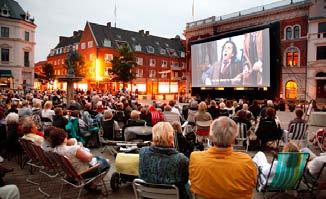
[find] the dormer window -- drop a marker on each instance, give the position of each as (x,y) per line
(157,43)
(122,44)
(133,38)
(138,47)
(107,43)
(27,16)
(150,49)
(162,51)
(5,11)
(119,36)
(166,44)
(172,52)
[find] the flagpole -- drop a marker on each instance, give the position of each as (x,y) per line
(193,10)
(115,13)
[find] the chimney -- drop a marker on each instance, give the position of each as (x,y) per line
(75,33)
(177,37)
(108,24)
(141,32)
(147,33)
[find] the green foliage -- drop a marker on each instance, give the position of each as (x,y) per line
(48,72)
(77,61)
(122,66)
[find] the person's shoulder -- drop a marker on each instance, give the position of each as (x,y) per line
(197,154)
(242,157)
(144,150)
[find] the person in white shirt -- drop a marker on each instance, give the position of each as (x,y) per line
(47,111)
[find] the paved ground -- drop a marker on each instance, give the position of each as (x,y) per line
(53,186)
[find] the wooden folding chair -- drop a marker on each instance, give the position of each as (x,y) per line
(77,180)
(288,173)
(143,189)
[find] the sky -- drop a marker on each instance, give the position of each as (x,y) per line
(164,18)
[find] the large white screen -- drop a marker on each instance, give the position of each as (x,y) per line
(238,61)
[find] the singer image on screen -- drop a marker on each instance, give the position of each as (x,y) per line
(253,59)
(228,68)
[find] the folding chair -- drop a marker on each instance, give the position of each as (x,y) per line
(77,180)
(143,189)
(242,136)
(298,133)
(314,182)
(288,173)
(33,161)
(48,168)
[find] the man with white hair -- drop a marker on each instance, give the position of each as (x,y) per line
(269,103)
(220,171)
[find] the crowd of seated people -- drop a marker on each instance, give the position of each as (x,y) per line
(68,129)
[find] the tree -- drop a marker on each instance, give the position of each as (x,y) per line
(48,72)
(122,66)
(77,62)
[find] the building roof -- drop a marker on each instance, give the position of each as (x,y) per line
(66,41)
(116,36)
(15,11)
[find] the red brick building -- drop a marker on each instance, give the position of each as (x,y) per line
(160,71)
(291,18)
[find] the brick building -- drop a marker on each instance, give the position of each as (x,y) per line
(160,71)
(292,19)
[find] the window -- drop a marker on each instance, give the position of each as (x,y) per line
(137,47)
(164,75)
(90,44)
(183,65)
(55,62)
(107,43)
(139,73)
(108,58)
(139,61)
(150,49)
(152,73)
(322,30)
(296,32)
(122,44)
(182,54)
(26,36)
(291,90)
(321,52)
(5,54)
(162,51)
(171,52)
(176,74)
(4,32)
(26,59)
(91,56)
(288,33)
(152,62)
(76,46)
(292,57)
(164,63)
(83,45)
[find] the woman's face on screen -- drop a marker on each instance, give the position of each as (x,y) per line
(227,51)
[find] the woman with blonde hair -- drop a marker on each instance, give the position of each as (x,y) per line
(47,111)
(161,163)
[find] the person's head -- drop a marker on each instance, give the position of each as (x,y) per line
(88,106)
(291,147)
(167,108)
(25,103)
(269,103)
(172,103)
(222,105)
(12,118)
(193,104)
(107,114)
(37,104)
(48,105)
(163,134)
(57,137)
(212,103)
(245,106)
(177,127)
(235,104)
(299,113)
(134,115)
(27,125)
(229,51)
(58,111)
(223,132)
(74,113)
(202,106)
(270,112)
(48,131)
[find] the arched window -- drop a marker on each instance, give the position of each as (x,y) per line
(292,57)
(288,33)
(291,90)
(296,32)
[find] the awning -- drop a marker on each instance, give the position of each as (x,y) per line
(5,73)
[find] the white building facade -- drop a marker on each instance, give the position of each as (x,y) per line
(17,42)
(316,59)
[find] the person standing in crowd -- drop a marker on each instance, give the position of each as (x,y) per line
(220,171)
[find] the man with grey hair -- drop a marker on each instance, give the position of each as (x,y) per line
(220,171)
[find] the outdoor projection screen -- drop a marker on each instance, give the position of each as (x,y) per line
(237,61)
